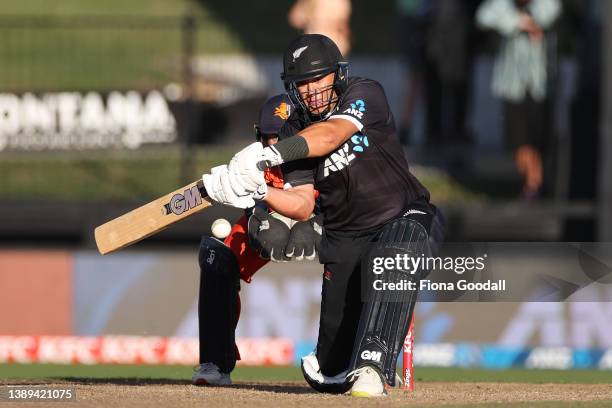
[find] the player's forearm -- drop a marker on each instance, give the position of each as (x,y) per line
(295,204)
(322,139)
(317,140)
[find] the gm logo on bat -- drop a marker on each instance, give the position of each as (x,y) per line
(191,198)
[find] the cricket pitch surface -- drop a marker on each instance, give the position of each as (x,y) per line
(100,392)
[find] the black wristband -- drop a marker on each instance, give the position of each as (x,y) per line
(292,148)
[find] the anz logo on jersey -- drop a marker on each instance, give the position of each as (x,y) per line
(342,157)
(357,109)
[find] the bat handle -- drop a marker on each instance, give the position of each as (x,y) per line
(201,188)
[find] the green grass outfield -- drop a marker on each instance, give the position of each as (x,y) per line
(154,372)
(136,44)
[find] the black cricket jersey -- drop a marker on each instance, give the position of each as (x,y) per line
(366,181)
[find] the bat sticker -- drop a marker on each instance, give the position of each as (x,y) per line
(191,198)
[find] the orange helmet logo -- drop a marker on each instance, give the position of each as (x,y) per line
(283,111)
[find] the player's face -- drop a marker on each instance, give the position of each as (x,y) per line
(317,93)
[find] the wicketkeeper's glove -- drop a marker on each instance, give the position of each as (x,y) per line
(305,238)
(268,235)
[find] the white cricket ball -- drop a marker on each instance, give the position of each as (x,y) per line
(221,228)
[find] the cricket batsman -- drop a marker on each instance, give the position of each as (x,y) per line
(341,140)
(256,238)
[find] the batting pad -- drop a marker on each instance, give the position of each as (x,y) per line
(219,286)
(386,313)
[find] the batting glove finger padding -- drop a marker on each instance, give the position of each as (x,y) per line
(236,185)
(244,170)
(219,188)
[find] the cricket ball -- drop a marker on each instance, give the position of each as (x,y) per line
(221,228)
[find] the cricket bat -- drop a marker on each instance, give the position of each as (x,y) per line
(152,218)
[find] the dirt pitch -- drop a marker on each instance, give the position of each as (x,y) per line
(177,394)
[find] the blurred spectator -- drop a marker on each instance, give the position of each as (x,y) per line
(450,47)
(437,44)
(327,17)
(521,78)
(413,25)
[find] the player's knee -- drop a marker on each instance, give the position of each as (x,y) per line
(432,220)
(411,234)
(402,239)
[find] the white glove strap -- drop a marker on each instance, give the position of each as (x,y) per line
(261,192)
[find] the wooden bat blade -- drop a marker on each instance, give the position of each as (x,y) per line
(151,218)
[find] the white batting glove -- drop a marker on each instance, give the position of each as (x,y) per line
(244,168)
(219,187)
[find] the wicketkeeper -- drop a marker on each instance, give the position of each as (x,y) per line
(256,238)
